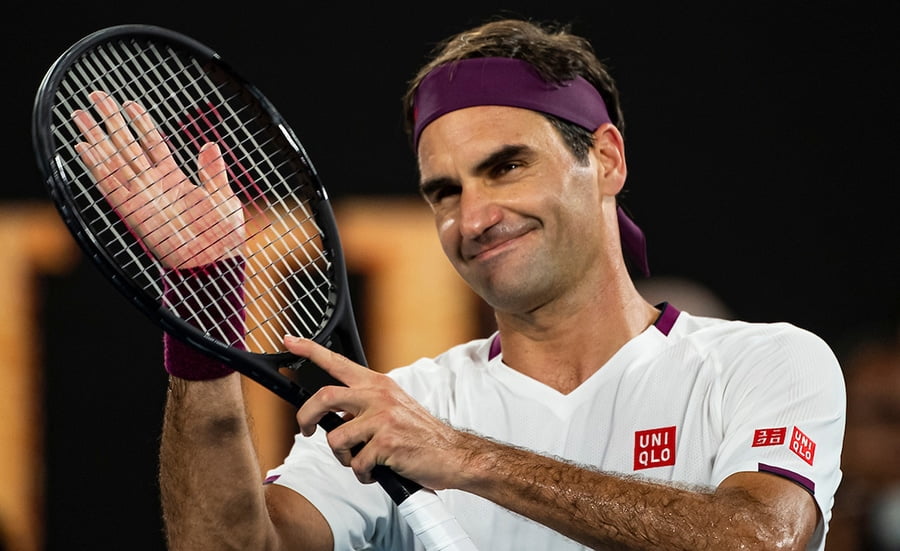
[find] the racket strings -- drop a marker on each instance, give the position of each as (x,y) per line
(285,283)
(129,78)
(210,298)
(106,65)
(297,275)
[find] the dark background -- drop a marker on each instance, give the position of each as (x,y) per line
(762,149)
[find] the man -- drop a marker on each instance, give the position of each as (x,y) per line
(590,419)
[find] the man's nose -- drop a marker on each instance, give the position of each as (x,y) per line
(478,210)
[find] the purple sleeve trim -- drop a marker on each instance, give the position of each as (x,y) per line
(790,475)
(271,479)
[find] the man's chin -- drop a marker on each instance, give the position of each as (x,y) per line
(514,297)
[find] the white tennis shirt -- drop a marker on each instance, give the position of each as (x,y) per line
(690,400)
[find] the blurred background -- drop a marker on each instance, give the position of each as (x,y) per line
(763,167)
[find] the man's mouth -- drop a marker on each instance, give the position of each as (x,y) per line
(493,243)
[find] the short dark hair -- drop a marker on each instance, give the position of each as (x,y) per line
(556,53)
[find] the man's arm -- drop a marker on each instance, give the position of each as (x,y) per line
(747,511)
(212,495)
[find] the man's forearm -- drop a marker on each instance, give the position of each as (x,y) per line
(212,496)
(609,511)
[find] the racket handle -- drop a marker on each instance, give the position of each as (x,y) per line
(434,524)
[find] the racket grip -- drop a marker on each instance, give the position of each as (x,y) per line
(399,488)
(434,524)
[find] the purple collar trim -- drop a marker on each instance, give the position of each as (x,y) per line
(504,81)
(663,324)
(495,348)
(666,319)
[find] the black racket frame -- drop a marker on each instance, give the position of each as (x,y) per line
(292,378)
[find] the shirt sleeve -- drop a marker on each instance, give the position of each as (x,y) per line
(785,412)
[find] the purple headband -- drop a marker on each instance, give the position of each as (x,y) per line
(516,83)
(504,81)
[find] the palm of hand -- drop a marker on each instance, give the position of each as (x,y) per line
(181,224)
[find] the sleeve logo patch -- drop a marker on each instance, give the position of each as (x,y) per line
(769,437)
(803,446)
(654,448)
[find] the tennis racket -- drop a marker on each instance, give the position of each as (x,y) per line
(192,195)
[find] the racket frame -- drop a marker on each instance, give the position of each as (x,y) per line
(422,509)
(339,333)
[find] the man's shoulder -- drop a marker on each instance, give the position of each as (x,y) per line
(731,341)
(476,352)
(717,330)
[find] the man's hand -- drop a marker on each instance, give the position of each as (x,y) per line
(394,429)
(182,224)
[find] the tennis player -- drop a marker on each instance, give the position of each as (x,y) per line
(590,419)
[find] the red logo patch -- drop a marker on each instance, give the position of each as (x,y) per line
(803,446)
(654,448)
(769,437)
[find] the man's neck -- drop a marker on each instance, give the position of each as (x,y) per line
(562,346)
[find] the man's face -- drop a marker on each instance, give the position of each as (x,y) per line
(517,215)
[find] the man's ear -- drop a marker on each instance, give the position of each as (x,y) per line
(609,153)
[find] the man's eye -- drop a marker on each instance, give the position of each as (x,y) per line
(438,194)
(506,168)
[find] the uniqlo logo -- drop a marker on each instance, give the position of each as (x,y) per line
(654,448)
(803,446)
(769,437)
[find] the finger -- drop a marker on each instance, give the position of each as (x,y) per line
(105,171)
(95,167)
(213,177)
(328,399)
(359,448)
(119,132)
(345,443)
(336,365)
(363,457)
(149,136)
(88,126)
(115,193)
(104,152)
(94,156)
(362,466)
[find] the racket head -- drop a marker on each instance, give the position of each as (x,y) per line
(293,270)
